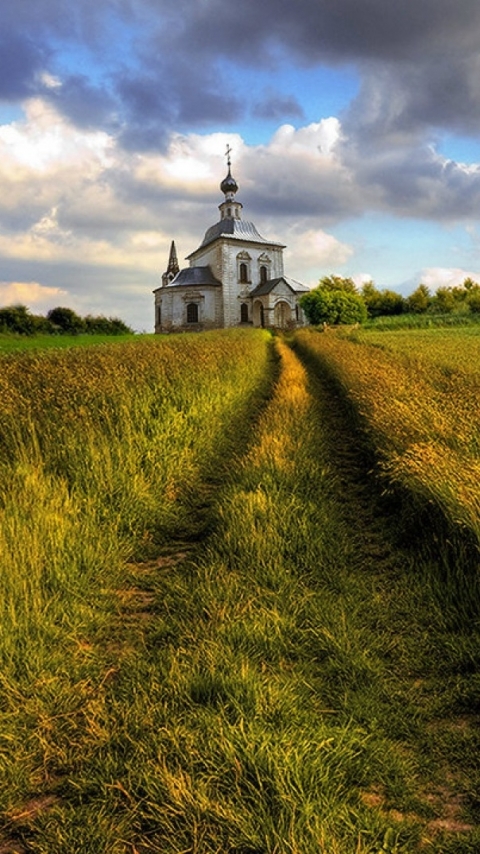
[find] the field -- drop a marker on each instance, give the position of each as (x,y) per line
(10,343)
(240,603)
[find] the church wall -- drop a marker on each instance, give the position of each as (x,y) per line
(222,258)
(173,304)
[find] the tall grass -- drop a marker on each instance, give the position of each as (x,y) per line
(103,450)
(420,413)
(268,691)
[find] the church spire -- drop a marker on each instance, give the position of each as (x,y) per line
(173,260)
(172,268)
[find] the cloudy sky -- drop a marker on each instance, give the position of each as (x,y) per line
(354,125)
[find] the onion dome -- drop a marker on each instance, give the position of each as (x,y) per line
(229,186)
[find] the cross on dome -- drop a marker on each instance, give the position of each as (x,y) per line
(229,186)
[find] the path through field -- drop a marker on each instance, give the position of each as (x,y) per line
(288,684)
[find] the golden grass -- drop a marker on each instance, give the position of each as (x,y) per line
(102,451)
(418,395)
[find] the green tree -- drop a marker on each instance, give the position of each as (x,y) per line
(66,320)
(473,299)
(333,307)
(17,318)
(338,283)
(444,300)
(419,301)
(105,325)
(381,303)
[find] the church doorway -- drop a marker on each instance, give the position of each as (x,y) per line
(258,314)
(282,315)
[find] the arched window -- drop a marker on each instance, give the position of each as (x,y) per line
(243,272)
(159,315)
(297,312)
(263,274)
(192,312)
(244,313)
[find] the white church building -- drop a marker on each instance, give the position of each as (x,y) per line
(235,278)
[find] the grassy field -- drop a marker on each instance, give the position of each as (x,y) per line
(213,637)
(10,343)
(417,396)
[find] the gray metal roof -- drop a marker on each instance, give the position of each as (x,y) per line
(194,277)
(236,228)
(268,286)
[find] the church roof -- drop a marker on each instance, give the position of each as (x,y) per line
(270,284)
(237,229)
(194,277)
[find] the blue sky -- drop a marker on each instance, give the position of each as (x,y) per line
(355,129)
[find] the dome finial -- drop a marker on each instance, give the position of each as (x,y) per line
(229,186)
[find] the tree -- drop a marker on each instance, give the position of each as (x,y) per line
(420,300)
(383,302)
(473,299)
(66,320)
(338,283)
(444,300)
(17,318)
(322,305)
(105,325)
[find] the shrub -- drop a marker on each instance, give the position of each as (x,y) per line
(333,307)
(66,320)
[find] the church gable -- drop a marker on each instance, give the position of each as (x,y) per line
(278,287)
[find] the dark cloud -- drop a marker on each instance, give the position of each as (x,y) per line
(347,30)
(422,57)
(424,54)
(85,104)
(22,61)
(418,62)
(277,107)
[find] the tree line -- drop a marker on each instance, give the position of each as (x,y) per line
(338,300)
(58,321)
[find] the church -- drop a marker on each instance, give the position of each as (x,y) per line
(235,278)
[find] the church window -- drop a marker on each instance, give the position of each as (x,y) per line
(297,313)
(192,312)
(243,272)
(229,212)
(159,315)
(263,274)
(244,313)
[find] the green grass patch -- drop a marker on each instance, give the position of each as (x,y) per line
(11,343)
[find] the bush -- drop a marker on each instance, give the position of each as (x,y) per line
(106,325)
(16,318)
(333,306)
(66,320)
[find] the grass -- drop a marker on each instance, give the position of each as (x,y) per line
(416,398)
(12,343)
(273,673)
(462,319)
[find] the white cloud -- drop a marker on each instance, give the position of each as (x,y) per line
(307,141)
(444,277)
(45,142)
(28,293)
(312,254)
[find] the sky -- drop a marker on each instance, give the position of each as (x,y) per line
(354,127)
